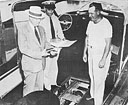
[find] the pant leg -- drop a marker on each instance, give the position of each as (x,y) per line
(90,64)
(100,75)
(54,69)
(39,82)
(46,74)
(51,71)
(29,82)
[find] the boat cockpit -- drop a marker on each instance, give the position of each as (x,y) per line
(73,17)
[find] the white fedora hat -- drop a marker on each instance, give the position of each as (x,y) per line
(35,12)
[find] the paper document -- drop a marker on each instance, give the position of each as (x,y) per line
(65,43)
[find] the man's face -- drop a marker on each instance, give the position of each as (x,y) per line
(93,14)
(35,21)
(49,12)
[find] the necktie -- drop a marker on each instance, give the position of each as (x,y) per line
(52,29)
(36,33)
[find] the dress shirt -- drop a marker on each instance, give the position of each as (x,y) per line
(57,27)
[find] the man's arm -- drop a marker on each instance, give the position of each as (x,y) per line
(85,50)
(47,45)
(106,52)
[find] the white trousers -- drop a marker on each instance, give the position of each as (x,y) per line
(97,75)
(45,78)
(33,82)
(51,71)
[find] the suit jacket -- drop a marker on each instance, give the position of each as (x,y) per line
(30,47)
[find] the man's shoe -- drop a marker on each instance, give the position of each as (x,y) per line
(58,86)
(53,87)
(89,98)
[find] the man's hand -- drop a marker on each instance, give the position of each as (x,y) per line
(85,58)
(102,63)
(49,46)
(54,51)
(45,53)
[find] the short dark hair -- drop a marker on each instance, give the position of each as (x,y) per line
(97,6)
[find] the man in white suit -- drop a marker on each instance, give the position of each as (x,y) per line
(33,46)
(51,21)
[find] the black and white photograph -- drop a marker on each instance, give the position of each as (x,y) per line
(63,52)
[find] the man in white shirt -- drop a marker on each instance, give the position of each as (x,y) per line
(98,44)
(54,33)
